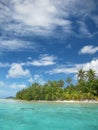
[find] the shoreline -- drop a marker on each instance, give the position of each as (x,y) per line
(78,101)
(69,101)
(57,101)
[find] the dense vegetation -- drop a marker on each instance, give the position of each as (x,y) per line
(86,88)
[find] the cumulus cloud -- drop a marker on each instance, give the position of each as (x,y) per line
(91,65)
(88,50)
(38,12)
(44,60)
(37,78)
(17,70)
(75,67)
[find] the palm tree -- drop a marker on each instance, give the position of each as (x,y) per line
(60,83)
(81,75)
(91,74)
(68,80)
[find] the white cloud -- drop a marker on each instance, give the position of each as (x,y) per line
(10,89)
(44,60)
(30,80)
(75,67)
(13,85)
(64,70)
(91,65)
(35,16)
(16,45)
(17,86)
(11,44)
(16,71)
(37,78)
(35,13)
(5,93)
(42,16)
(88,50)
(84,30)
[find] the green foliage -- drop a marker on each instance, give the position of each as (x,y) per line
(86,88)
(81,76)
(91,75)
(68,80)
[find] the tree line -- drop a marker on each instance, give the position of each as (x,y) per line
(86,88)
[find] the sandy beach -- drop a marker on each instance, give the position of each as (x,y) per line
(58,101)
(64,101)
(82,101)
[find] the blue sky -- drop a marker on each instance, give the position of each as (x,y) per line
(44,40)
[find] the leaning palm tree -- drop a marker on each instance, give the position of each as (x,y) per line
(91,74)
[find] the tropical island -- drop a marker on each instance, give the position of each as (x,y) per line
(85,89)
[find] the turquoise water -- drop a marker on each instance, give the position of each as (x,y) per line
(16,115)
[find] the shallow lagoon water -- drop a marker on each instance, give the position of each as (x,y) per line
(16,115)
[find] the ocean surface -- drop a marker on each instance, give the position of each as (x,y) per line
(15,115)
